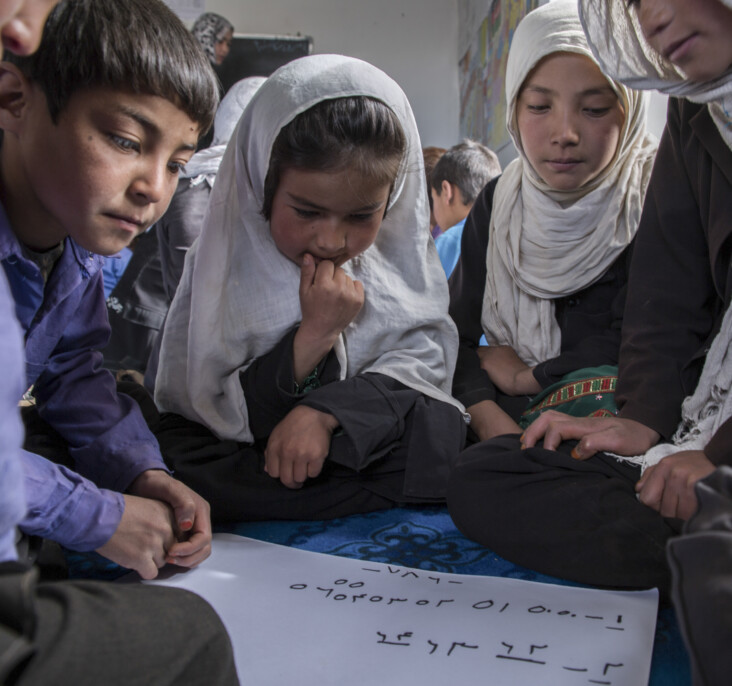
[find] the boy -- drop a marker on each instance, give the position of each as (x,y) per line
(455,182)
(93,142)
(81,632)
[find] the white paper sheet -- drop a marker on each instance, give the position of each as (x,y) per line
(310,619)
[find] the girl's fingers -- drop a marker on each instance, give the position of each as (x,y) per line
(307,272)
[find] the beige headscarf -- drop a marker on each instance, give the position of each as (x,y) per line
(239,295)
(543,243)
(617,40)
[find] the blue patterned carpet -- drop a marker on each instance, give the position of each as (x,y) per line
(423,538)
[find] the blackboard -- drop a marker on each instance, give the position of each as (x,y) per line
(260,56)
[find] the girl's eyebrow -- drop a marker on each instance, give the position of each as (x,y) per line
(304,201)
(599,90)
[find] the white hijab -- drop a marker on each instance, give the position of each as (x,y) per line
(204,165)
(239,295)
(616,38)
(543,243)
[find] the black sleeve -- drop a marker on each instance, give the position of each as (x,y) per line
(269,385)
(672,301)
(371,410)
(471,384)
(590,322)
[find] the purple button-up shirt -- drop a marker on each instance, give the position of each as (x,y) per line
(12,493)
(65,325)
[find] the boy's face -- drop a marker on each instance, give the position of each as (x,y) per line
(104,172)
(21,23)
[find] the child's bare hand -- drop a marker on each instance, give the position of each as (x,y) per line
(191,514)
(507,370)
(595,434)
(143,537)
(668,487)
(298,446)
(329,299)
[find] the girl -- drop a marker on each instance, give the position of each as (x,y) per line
(548,287)
(308,352)
(578,515)
(214,33)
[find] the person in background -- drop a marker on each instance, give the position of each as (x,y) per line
(214,34)
(455,182)
(431,155)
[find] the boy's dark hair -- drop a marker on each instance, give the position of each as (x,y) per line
(137,45)
(469,166)
(334,135)
(431,156)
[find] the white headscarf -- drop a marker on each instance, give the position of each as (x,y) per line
(704,411)
(239,295)
(209,29)
(204,165)
(616,38)
(543,243)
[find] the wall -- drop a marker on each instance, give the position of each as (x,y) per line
(414,41)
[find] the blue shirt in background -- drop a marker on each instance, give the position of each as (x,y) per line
(448,246)
(114,267)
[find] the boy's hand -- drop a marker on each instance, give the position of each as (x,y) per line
(668,487)
(507,370)
(488,420)
(595,434)
(143,537)
(298,446)
(329,300)
(191,514)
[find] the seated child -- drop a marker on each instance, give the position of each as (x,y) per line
(69,632)
(455,182)
(546,247)
(568,508)
(94,139)
(308,352)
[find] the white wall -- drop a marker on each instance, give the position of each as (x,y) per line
(414,41)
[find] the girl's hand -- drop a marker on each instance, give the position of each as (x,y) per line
(595,434)
(298,446)
(507,370)
(668,487)
(329,300)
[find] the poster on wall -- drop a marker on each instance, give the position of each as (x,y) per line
(187,10)
(482,72)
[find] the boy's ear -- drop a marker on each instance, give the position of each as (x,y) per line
(446,191)
(14,92)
